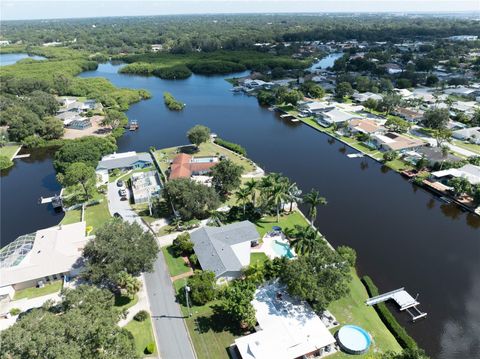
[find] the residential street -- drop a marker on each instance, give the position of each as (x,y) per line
(170,331)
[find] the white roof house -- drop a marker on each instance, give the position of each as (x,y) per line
(470,172)
(336,116)
(145,185)
(314,106)
(289,328)
(471,134)
(47,252)
(362,97)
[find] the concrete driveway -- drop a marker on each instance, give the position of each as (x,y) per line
(115,205)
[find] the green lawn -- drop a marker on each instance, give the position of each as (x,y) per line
(33,292)
(176,265)
(142,334)
(95,215)
(164,155)
(265,224)
(211,332)
(398,165)
(353,310)
(9,150)
(72,216)
(468,146)
(258,257)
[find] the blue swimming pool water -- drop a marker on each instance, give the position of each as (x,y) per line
(282,249)
(203,159)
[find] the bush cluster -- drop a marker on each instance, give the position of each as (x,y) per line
(141,316)
(398,331)
(231,146)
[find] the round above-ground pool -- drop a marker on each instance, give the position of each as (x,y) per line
(353,339)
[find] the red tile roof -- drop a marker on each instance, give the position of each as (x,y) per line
(182,166)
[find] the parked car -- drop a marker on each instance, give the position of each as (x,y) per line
(122,192)
(117,215)
(120,183)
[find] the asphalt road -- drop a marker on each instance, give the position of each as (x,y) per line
(170,330)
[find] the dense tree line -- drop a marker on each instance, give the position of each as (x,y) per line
(184,34)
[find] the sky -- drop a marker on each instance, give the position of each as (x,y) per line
(54,9)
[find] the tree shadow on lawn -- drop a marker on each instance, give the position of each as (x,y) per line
(218,322)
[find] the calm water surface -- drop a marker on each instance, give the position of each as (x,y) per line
(10,59)
(403,235)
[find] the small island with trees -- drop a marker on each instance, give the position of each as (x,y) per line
(172,103)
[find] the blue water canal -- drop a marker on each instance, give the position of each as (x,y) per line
(402,234)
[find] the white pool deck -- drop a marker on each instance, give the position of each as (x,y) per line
(268,243)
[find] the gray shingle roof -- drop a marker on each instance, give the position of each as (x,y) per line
(213,245)
(123,160)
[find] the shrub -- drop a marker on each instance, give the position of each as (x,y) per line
(389,156)
(141,316)
(150,348)
(231,146)
(5,162)
(15,311)
(398,331)
(193,260)
(202,287)
(182,244)
(172,103)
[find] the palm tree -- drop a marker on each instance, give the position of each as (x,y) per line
(306,240)
(255,272)
(278,195)
(314,200)
(252,186)
(242,195)
(294,194)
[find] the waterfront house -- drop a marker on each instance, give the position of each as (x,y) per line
(288,328)
(38,258)
(79,124)
(335,116)
(122,161)
(392,141)
(470,172)
(225,250)
(185,166)
(434,156)
(363,125)
(145,186)
(314,107)
(471,135)
(68,117)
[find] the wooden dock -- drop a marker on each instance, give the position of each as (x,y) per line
(22,156)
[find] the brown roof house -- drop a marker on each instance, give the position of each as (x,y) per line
(392,141)
(365,126)
(185,166)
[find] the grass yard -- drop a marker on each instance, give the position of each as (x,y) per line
(265,224)
(95,215)
(49,288)
(165,155)
(176,265)
(468,146)
(211,332)
(142,334)
(258,257)
(9,150)
(353,310)
(398,165)
(72,216)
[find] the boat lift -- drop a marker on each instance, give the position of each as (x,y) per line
(404,300)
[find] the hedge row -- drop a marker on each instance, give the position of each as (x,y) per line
(231,146)
(398,331)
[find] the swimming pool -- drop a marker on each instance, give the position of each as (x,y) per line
(353,339)
(282,249)
(204,159)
